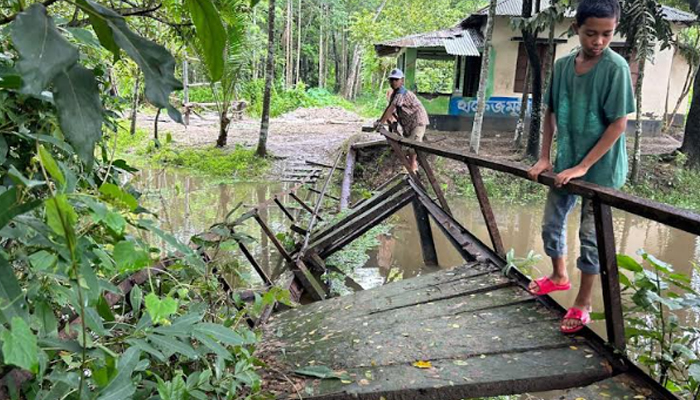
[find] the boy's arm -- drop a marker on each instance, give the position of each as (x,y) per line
(544,163)
(610,136)
(388,112)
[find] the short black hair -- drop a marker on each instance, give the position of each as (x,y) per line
(597,9)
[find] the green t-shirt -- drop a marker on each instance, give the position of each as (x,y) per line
(584,106)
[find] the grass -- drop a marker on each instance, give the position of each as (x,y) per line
(229,165)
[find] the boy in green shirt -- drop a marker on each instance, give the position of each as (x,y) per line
(588,102)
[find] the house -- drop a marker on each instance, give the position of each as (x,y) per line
(463,43)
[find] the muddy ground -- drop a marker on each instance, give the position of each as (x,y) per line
(316,134)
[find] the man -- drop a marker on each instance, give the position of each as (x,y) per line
(409,111)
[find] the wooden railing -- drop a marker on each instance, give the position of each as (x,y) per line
(604,199)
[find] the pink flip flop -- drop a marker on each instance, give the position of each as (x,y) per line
(581,315)
(546,285)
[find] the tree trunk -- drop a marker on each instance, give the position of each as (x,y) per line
(255,54)
(135,104)
(637,157)
(350,82)
(296,80)
(224,122)
(155,129)
(269,76)
(357,87)
(691,137)
(321,83)
(548,66)
(530,41)
(520,126)
(692,72)
(290,48)
(336,60)
(483,79)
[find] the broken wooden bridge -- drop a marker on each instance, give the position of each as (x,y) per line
(468,332)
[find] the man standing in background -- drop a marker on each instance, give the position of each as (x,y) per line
(409,110)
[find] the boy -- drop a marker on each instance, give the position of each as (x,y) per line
(588,102)
(409,110)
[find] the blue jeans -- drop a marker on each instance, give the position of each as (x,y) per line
(559,205)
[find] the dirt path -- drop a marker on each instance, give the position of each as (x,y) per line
(312,134)
(316,134)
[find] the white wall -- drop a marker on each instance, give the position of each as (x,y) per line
(665,71)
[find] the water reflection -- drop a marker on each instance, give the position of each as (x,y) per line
(189,204)
(520,230)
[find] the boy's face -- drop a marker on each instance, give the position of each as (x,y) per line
(396,83)
(595,35)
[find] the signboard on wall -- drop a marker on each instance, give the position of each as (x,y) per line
(495,106)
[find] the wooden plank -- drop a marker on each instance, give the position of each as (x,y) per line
(491,376)
(486,210)
(304,205)
(369,144)
(378,189)
(284,210)
(318,164)
(684,220)
(308,280)
(346,185)
(359,219)
(469,246)
(623,386)
(425,234)
(261,272)
(372,220)
(266,229)
(327,195)
(373,201)
(609,275)
(423,161)
(403,159)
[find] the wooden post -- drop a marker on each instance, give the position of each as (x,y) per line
(304,205)
(426,234)
(186,92)
(398,152)
(284,210)
(486,210)
(609,274)
(347,178)
(273,238)
(423,161)
(255,264)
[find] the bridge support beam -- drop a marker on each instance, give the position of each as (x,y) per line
(427,243)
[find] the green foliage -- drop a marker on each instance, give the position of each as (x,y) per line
(503,187)
(210,31)
(668,183)
(71,230)
(284,101)
(239,163)
(659,341)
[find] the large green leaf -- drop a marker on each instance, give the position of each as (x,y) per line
(220,333)
(79,110)
(173,390)
(157,64)
(170,346)
(210,33)
(50,165)
(121,387)
(10,207)
(129,258)
(12,302)
(160,309)
(43,51)
(19,346)
(61,216)
(118,196)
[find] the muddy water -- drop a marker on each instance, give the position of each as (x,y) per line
(187,205)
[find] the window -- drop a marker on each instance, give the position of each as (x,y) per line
(472,71)
(522,63)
